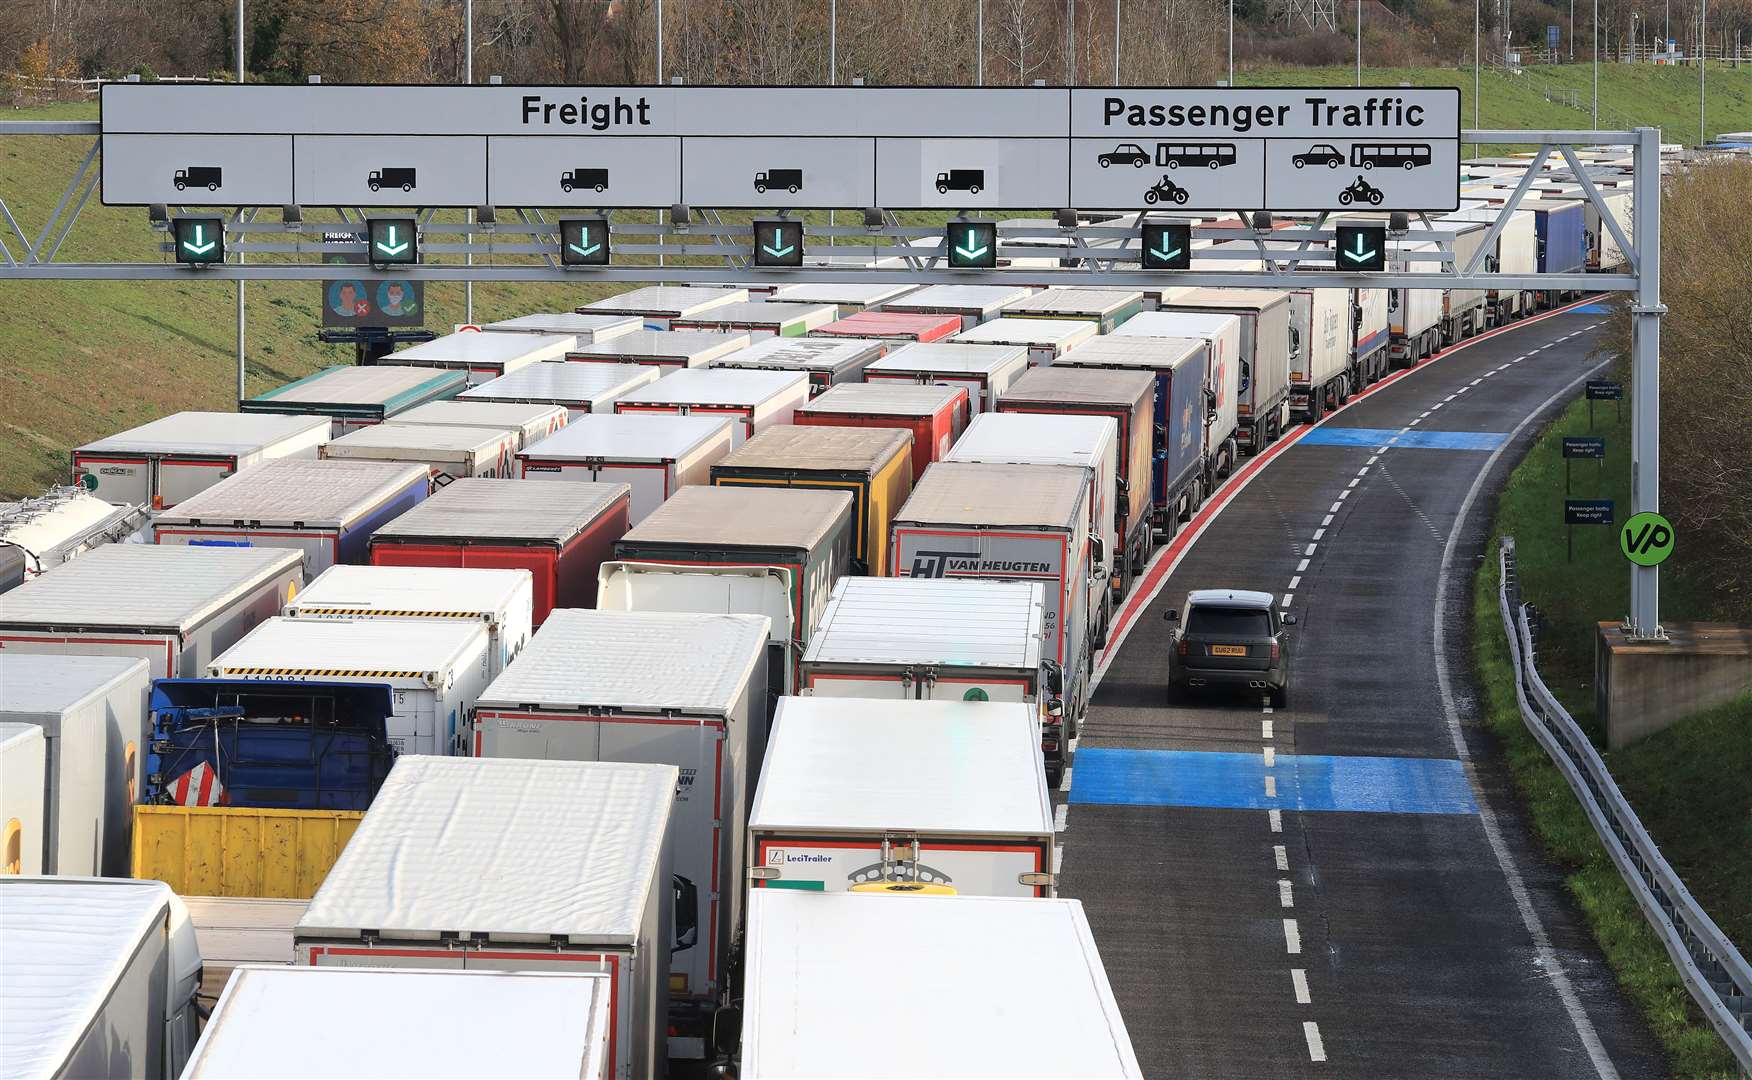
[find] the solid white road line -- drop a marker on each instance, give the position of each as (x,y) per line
(1292,938)
(1286,898)
(1316,1048)
(1280,856)
(1299,980)
(1276,817)
(1061,817)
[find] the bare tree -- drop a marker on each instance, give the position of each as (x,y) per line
(1021,38)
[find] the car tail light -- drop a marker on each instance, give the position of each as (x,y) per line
(1274,648)
(1180,646)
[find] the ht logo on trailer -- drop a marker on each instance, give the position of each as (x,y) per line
(936,564)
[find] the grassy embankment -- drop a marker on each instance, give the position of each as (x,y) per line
(1691,784)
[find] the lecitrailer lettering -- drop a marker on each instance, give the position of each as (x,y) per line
(1322,113)
(597,115)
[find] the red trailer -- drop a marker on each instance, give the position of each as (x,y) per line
(935,414)
(561,531)
(891,326)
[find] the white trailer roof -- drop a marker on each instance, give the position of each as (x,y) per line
(769,313)
(60,516)
(673,301)
(1085,385)
(1062,333)
(952,357)
(65,942)
(717,386)
(563,383)
(324,493)
(973,768)
(695,347)
(379,384)
(795,518)
(1174,324)
(1077,301)
(882,398)
(1235,299)
(793,448)
(466,349)
(803,354)
(35,685)
(144,586)
(515,415)
(465,592)
(1019,438)
(1122,350)
(814,292)
(531,1025)
(470,846)
(818,984)
(395,437)
(209,433)
(634,660)
(586,328)
(415,649)
(479,507)
(633,437)
(967,493)
(977,299)
(942,621)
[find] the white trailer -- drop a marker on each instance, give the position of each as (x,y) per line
(325,510)
(662,351)
(580,389)
(1370,339)
(483,357)
(161,463)
(530,422)
(449,453)
(355,397)
(1517,252)
(657,455)
(753,400)
(1463,309)
(1014,987)
(501,600)
(659,305)
(974,303)
(970,812)
(1414,316)
(93,716)
(827,361)
(532,1025)
(101,977)
(675,689)
(729,590)
(847,299)
(1320,349)
(1222,376)
(760,319)
(1045,339)
(24,802)
(1089,444)
(435,670)
(176,607)
(61,524)
(1263,381)
(553,866)
(588,329)
(984,371)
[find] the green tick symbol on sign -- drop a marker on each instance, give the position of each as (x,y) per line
(388,245)
(1647,539)
(584,238)
(969,251)
(772,248)
(199,246)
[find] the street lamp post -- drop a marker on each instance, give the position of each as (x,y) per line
(1359,39)
(1231,42)
(1116,42)
(468,78)
(1702,62)
(1477,20)
(1596,65)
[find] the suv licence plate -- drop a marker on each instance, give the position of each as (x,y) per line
(1228,650)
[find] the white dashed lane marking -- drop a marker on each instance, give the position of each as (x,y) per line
(1316,1048)
(1271,787)
(1280,857)
(1270,758)
(1292,938)
(1286,897)
(1276,817)
(1059,817)
(1299,980)
(1265,729)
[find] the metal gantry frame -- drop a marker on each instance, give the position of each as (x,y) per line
(1097,255)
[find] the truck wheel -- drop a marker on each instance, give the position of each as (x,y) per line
(1231,454)
(1055,772)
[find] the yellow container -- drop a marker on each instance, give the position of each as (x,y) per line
(235,851)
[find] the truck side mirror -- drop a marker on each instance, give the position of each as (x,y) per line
(1098,553)
(1055,676)
(686,897)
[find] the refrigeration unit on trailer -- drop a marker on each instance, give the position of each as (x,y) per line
(1516,252)
(656,455)
(1222,378)
(984,371)
(176,607)
(325,510)
(588,329)
(101,978)
(580,389)
(969,813)
(482,357)
(760,319)
(1414,316)
(356,397)
(1012,523)
(815,992)
(435,669)
(934,415)
(973,303)
(847,299)
(62,523)
(161,463)
(752,400)
(1263,381)
(1179,367)
(24,798)
(92,713)
(873,465)
(536,1025)
(895,326)
(531,423)
(659,305)
(670,688)
(538,866)
(448,453)
(1106,308)
(1320,350)
(661,351)
(827,361)
(1088,444)
(806,533)
(1129,399)
(560,533)
(1045,339)
(503,600)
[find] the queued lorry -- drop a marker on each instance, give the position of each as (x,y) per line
(1414,316)
(24,801)
(659,305)
(827,361)
(459,865)
(1369,341)
(663,351)
(1013,523)
(1263,379)
(580,389)
(760,319)
(984,371)
(501,599)
(751,400)
(847,298)
(1106,308)
(588,329)
(164,462)
(678,689)
(655,455)
(530,422)
(969,815)
(1045,339)
(973,304)
(448,453)
(1221,415)
(40,533)
(356,397)
(933,415)
(890,326)
(1320,351)
(1516,252)
(482,357)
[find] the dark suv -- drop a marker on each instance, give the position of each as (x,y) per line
(1232,638)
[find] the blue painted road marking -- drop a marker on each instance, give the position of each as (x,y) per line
(1413,439)
(1592,309)
(1382,785)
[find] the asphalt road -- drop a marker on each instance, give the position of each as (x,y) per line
(1345,887)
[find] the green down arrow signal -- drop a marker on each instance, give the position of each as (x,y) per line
(971,252)
(584,237)
(777,252)
(195,246)
(1164,254)
(1359,255)
(392,248)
